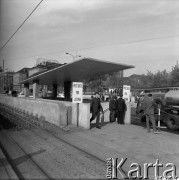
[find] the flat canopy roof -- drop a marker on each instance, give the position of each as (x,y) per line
(77,71)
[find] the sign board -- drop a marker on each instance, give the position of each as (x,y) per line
(126,93)
(77,92)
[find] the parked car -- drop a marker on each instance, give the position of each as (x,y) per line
(60,95)
(14,93)
(21,94)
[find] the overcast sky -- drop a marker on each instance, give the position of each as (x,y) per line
(143,33)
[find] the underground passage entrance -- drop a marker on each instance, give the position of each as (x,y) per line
(65,75)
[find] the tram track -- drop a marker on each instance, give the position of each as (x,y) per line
(46,135)
(7,141)
(26,118)
(15,169)
(44,132)
(58,138)
(23,118)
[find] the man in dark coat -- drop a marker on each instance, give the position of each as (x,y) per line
(112,109)
(120,108)
(149,106)
(95,108)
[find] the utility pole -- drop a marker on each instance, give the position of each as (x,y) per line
(3,66)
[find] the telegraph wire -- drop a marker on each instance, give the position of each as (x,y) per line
(20,25)
(98,46)
(129,42)
(113,44)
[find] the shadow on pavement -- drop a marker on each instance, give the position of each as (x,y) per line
(26,157)
(19,160)
(5,123)
(163,127)
(93,125)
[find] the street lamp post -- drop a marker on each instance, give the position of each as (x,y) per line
(77,103)
(73,56)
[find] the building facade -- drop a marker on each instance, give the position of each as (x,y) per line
(18,77)
(6,81)
(9,81)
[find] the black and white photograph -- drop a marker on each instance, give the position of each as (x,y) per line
(89,89)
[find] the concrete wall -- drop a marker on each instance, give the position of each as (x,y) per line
(72,110)
(86,110)
(52,112)
(60,113)
(127,118)
(84,115)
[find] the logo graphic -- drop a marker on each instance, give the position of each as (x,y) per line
(115,170)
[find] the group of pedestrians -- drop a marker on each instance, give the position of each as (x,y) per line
(117,108)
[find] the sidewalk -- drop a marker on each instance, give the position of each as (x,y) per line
(128,141)
(6,171)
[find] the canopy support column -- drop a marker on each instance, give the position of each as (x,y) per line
(45,88)
(67,89)
(55,89)
(35,88)
(26,89)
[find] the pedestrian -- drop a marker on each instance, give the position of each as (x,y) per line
(120,108)
(102,97)
(112,109)
(95,109)
(149,106)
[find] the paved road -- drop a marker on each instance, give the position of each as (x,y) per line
(58,159)
(53,157)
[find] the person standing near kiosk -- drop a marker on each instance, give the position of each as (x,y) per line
(112,109)
(149,105)
(95,109)
(120,108)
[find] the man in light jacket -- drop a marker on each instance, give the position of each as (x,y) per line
(149,106)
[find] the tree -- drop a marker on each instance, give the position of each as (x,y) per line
(94,83)
(113,79)
(158,79)
(1,69)
(175,74)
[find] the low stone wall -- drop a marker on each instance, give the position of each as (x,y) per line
(127,118)
(85,115)
(71,108)
(60,113)
(53,112)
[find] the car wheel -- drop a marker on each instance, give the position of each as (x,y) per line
(171,124)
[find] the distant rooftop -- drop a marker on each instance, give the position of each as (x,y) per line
(23,70)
